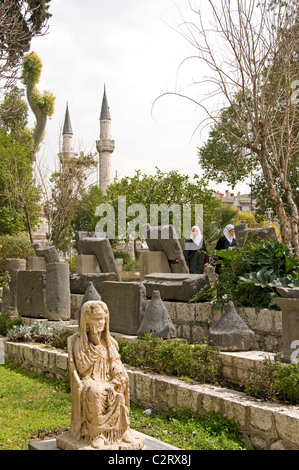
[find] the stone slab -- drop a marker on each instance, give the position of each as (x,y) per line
(126,302)
(79,282)
(153,262)
(175,286)
(86,264)
(164,238)
(31,294)
(37,263)
(101,248)
(150,444)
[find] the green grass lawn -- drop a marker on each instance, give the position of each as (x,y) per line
(33,406)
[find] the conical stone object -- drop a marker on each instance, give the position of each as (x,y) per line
(231,333)
(156,320)
(90,294)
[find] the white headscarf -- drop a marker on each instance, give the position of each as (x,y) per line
(226,232)
(197,238)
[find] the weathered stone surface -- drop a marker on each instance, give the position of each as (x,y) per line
(79,282)
(174,286)
(230,332)
(126,302)
(86,264)
(100,393)
(83,234)
(288,292)
(37,263)
(50,253)
(31,294)
(9,296)
(90,294)
(58,296)
(290,326)
(164,238)
(156,320)
(101,248)
(244,234)
(153,262)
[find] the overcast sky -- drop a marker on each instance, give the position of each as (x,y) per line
(134,48)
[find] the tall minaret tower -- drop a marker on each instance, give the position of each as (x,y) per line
(67,139)
(105,146)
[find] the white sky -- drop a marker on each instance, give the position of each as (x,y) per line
(132,47)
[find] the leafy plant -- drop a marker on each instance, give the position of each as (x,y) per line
(275,381)
(249,276)
(38,332)
(8,321)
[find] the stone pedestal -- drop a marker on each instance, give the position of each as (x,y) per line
(289,305)
(58,296)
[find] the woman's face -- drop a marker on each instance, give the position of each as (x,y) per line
(195,231)
(232,232)
(94,330)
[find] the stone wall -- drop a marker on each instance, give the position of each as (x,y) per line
(193,321)
(268,426)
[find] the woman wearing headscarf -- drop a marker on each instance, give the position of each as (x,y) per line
(226,242)
(195,252)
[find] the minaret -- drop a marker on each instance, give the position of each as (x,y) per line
(105,146)
(67,138)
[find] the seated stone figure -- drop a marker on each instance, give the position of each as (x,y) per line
(99,387)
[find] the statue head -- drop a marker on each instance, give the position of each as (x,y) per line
(94,322)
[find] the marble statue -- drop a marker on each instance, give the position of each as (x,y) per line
(99,387)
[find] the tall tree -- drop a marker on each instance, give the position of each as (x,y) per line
(251,48)
(19,196)
(20,21)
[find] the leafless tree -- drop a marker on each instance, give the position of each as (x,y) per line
(251,49)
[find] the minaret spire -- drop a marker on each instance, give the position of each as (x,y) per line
(67,137)
(105,146)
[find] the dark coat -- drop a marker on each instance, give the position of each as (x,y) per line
(196,257)
(223,244)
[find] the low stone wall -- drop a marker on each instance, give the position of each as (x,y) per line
(193,321)
(49,362)
(268,426)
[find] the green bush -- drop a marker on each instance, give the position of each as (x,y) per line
(8,321)
(195,361)
(275,381)
(14,246)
